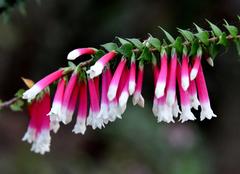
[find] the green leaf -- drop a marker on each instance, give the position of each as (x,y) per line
(169,37)
(123,41)
(223,40)
(215,29)
(203,37)
(71,64)
(178,44)
(187,34)
(194,48)
(146,55)
(110,46)
(199,29)
(137,43)
(17,106)
(213,50)
(237,43)
(19,93)
(125,50)
(231,29)
(98,54)
(238,18)
(155,42)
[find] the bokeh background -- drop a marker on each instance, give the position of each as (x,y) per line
(37,43)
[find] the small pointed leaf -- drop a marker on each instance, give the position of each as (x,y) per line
(169,36)
(188,35)
(137,43)
(110,46)
(155,42)
(215,29)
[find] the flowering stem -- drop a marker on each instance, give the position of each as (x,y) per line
(8,103)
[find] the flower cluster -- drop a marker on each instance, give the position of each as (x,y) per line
(79,90)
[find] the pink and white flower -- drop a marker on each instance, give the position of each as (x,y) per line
(192,90)
(67,97)
(55,113)
(184,71)
(155,77)
(137,96)
(97,68)
(132,76)
(171,85)
(80,126)
(113,87)
(184,98)
(38,132)
(196,64)
(40,85)
(162,77)
(79,52)
(206,111)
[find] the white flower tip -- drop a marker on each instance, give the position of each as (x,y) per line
(112,92)
(159,91)
(210,61)
(123,98)
(131,87)
(80,127)
(73,54)
(141,101)
(54,126)
(31,93)
(206,112)
(185,83)
(95,70)
(170,98)
(193,74)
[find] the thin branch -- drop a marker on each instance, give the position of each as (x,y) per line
(8,103)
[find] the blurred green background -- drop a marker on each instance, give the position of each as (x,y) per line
(37,43)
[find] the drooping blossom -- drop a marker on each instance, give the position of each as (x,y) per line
(80,126)
(72,104)
(184,98)
(137,96)
(38,132)
(165,112)
(93,118)
(155,77)
(184,71)
(55,113)
(171,85)
(43,83)
(192,90)
(162,77)
(132,76)
(124,93)
(67,96)
(97,68)
(196,64)
(206,111)
(113,87)
(79,52)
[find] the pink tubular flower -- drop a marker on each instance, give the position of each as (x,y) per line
(93,118)
(155,76)
(162,77)
(97,68)
(137,96)
(72,104)
(132,76)
(171,86)
(114,111)
(79,52)
(196,64)
(192,90)
(40,85)
(164,111)
(185,99)
(104,110)
(124,95)
(184,71)
(80,126)
(67,96)
(57,106)
(38,132)
(112,91)
(203,96)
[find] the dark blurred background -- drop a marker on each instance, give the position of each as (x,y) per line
(37,43)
